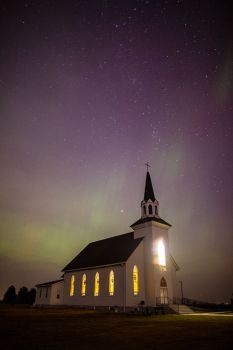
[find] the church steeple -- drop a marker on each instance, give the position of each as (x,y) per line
(149,208)
(149,205)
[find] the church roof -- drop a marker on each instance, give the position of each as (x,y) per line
(149,192)
(108,251)
(48,283)
(152,218)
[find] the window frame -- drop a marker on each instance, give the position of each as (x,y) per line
(111,283)
(84,285)
(135,281)
(97,284)
(72,285)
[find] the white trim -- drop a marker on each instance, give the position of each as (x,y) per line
(95,267)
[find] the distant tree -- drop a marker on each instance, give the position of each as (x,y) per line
(31,296)
(10,296)
(22,297)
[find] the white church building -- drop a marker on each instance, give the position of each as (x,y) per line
(124,271)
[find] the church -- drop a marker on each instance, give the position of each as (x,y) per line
(120,272)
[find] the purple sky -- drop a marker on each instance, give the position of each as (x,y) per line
(90,91)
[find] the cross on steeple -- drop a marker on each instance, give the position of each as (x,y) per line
(147,165)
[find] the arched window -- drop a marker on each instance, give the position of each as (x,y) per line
(163,291)
(163,282)
(161,253)
(135,281)
(150,209)
(84,279)
(97,284)
(72,280)
(111,283)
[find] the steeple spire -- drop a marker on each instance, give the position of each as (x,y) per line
(149,192)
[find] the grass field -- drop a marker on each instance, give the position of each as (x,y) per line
(31,328)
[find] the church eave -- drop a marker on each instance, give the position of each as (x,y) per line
(174,263)
(95,267)
(47,284)
(148,219)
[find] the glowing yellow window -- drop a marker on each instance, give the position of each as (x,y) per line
(72,285)
(97,284)
(161,253)
(84,279)
(111,283)
(135,281)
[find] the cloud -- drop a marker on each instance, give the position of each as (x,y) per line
(25,273)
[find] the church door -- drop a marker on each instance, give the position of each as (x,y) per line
(163,291)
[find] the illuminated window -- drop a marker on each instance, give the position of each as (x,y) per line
(72,285)
(135,281)
(150,210)
(97,284)
(161,253)
(84,279)
(111,283)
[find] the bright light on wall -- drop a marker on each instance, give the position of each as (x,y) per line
(161,253)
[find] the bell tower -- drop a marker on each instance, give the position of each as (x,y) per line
(157,259)
(150,218)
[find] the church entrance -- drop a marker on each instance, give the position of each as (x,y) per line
(163,291)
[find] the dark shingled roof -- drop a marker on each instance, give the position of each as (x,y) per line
(153,218)
(108,251)
(48,283)
(149,192)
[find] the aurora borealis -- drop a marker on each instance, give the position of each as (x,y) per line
(90,91)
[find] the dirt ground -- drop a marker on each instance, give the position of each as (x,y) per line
(33,328)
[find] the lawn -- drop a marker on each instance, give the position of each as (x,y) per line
(32,328)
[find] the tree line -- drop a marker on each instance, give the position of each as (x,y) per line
(24,296)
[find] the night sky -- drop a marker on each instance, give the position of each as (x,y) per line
(90,91)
